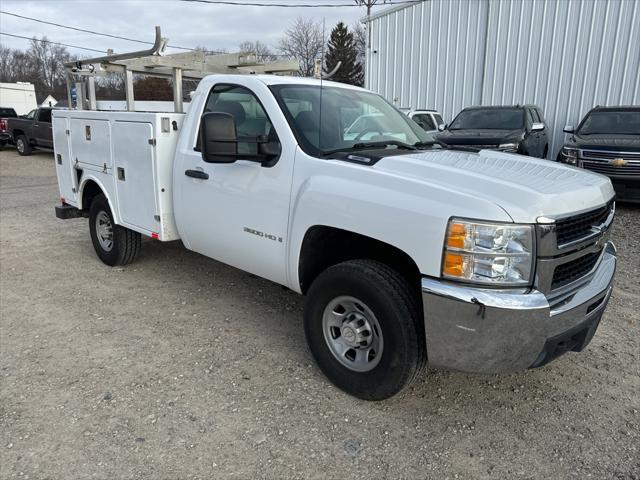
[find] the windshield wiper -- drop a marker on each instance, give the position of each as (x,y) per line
(421,145)
(384,143)
(369,145)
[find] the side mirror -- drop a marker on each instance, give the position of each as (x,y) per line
(537,127)
(218,138)
(568,129)
(442,127)
(267,147)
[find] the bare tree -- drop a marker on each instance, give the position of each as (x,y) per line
(49,60)
(262,51)
(360,40)
(303,40)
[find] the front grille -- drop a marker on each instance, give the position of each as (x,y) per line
(571,271)
(608,155)
(580,226)
(609,169)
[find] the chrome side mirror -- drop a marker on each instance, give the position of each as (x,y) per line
(537,127)
(568,129)
(442,127)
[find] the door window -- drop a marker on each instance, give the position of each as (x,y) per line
(424,120)
(44,116)
(250,118)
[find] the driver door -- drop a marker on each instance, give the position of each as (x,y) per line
(236,213)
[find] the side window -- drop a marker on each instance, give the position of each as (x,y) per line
(44,116)
(439,120)
(424,120)
(540,116)
(31,114)
(250,118)
(530,119)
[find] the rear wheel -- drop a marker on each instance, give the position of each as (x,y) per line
(365,329)
(23,146)
(114,244)
(545,152)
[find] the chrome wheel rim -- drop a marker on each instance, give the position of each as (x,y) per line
(353,334)
(104,231)
(20,146)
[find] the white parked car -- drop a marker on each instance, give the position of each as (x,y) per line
(427,119)
(407,252)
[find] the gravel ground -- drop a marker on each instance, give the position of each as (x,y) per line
(181,367)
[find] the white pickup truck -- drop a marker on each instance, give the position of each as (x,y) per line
(408,252)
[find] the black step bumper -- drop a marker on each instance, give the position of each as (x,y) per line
(65,212)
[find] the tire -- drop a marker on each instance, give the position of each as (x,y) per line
(3,145)
(23,146)
(382,302)
(545,152)
(114,245)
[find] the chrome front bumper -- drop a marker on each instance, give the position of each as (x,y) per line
(490,331)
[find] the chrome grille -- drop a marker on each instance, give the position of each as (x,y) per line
(574,228)
(607,168)
(569,272)
(609,155)
(568,249)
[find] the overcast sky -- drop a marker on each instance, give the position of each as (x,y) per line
(184,23)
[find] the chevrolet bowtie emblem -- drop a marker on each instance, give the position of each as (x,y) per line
(618,162)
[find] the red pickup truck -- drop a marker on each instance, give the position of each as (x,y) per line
(5,136)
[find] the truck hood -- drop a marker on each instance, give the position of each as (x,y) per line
(629,143)
(524,187)
(480,136)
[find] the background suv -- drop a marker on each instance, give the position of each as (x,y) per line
(607,141)
(518,129)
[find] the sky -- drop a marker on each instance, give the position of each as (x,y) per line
(186,24)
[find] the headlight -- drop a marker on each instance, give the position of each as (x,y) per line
(508,147)
(570,155)
(488,253)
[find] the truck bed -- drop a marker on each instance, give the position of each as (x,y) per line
(129,155)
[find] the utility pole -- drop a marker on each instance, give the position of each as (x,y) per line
(369,4)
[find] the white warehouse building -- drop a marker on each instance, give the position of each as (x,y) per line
(566,56)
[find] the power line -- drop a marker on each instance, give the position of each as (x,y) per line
(53,43)
(77,29)
(296,5)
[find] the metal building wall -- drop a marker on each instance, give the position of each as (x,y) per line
(563,55)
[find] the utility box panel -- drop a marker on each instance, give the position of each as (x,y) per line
(128,156)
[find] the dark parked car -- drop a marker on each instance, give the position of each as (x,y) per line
(607,141)
(32,131)
(5,136)
(518,129)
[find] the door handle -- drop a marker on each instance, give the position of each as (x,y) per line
(197,174)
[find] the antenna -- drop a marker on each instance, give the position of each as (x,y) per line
(321,79)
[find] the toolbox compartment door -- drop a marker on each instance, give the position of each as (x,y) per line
(67,179)
(91,140)
(135,173)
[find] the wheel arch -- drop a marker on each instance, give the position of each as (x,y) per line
(324,246)
(90,187)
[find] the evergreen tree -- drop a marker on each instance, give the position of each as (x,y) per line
(342,48)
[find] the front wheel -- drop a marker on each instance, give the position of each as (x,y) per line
(23,146)
(114,244)
(364,327)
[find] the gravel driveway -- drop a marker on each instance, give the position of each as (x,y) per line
(181,367)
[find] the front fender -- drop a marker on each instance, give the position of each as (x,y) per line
(409,215)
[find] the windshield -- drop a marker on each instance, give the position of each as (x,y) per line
(492,119)
(611,123)
(347,120)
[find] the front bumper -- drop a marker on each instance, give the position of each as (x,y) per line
(484,330)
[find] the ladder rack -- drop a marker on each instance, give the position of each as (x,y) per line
(188,65)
